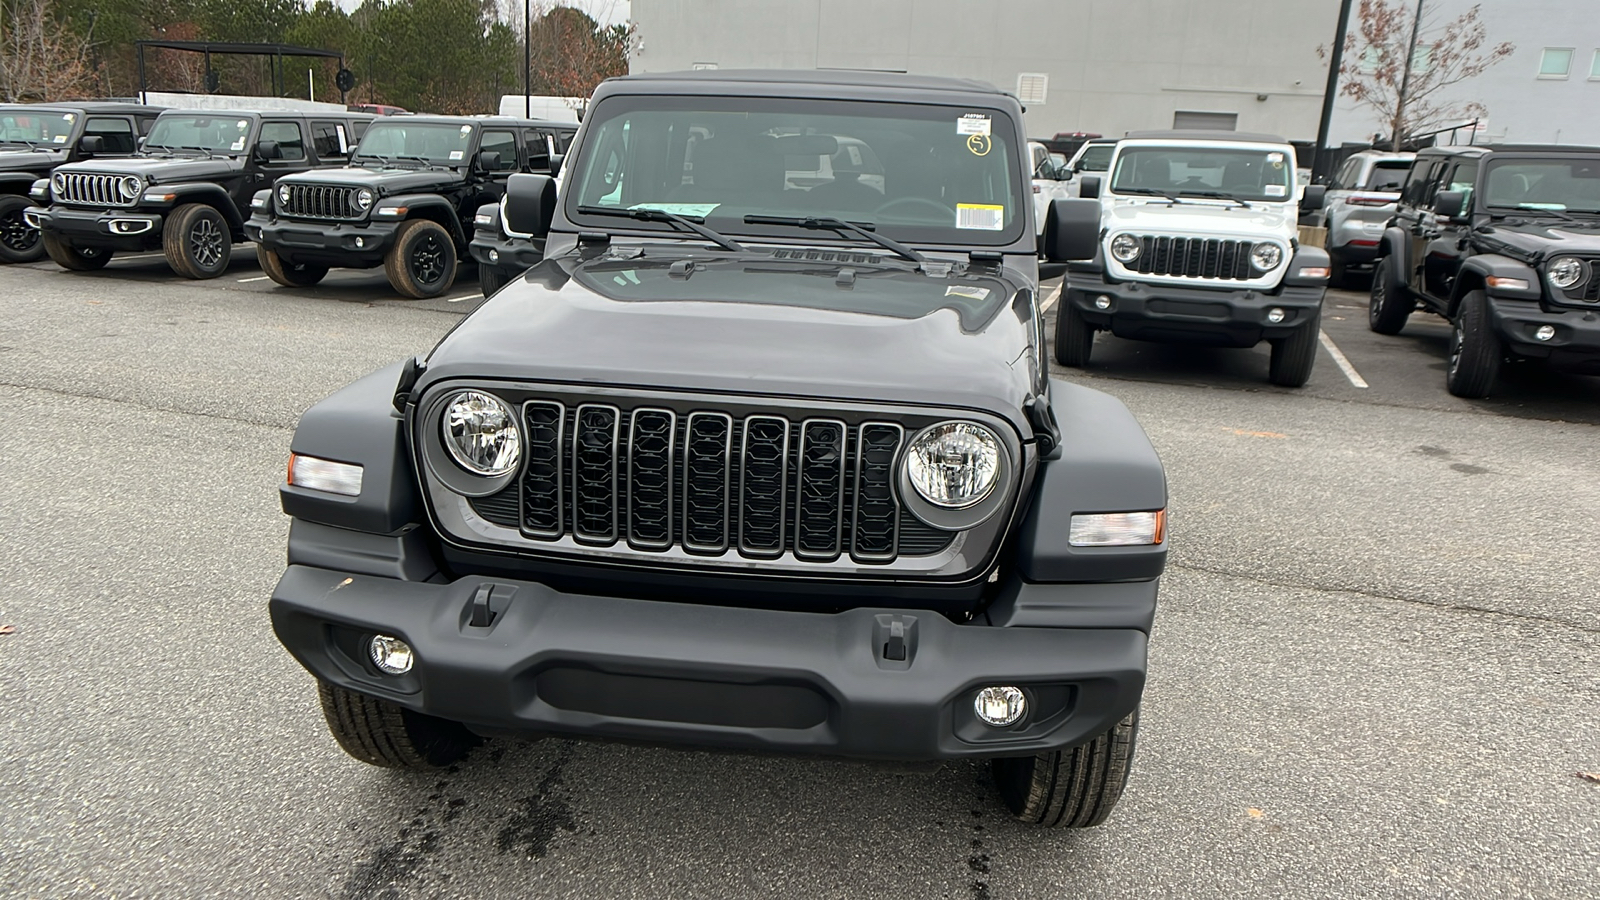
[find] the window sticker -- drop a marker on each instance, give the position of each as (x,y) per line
(70,117)
(973,123)
(457,154)
(980,216)
(855,154)
(466,129)
(1275,157)
(681,209)
(237,145)
(243,124)
(970,292)
(344,142)
(1276,190)
(979,144)
(60,139)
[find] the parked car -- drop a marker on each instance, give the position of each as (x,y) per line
(1200,245)
(1360,202)
(729,469)
(35,138)
(378,109)
(1093,158)
(405,203)
(1502,241)
(1050,182)
(188,190)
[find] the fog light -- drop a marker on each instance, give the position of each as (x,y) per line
(1102,302)
(1545,332)
(1276,315)
(361,242)
(390,654)
(494,256)
(1000,705)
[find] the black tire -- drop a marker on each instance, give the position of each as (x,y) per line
(1294,356)
(1389,306)
(289,274)
(1073,788)
(384,734)
(1475,350)
(19,243)
(1338,273)
(1074,336)
(422,262)
(76,259)
(197,241)
(491,279)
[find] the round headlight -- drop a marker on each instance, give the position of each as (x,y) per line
(1265,257)
(954,464)
(129,187)
(1566,272)
(1125,248)
(364,198)
(283,193)
(480,431)
(58,182)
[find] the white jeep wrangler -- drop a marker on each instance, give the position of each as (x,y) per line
(1200,244)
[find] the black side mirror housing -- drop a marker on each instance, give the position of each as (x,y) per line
(1072,230)
(91,143)
(1450,204)
(1312,198)
(1089,187)
(555,165)
(530,204)
(266,151)
(488,160)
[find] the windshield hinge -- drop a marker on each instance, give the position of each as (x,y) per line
(1045,430)
(593,237)
(988,256)
(409,374)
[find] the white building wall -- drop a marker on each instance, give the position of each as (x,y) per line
(1114,65)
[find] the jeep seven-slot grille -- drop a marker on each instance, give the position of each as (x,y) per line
(94,190)
(320,201)
(1194,258)
(709,482)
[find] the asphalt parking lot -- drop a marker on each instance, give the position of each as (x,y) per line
(1374,671)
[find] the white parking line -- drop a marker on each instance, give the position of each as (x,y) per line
(463,297)
(141,256)
(1053,298)
(1344,364)
(257,278)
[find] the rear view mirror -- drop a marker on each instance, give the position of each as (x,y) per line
(1312,199)
(530,204)
(1450,204)
(1089,187)
(1072,230)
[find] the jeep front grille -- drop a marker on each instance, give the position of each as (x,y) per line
(320,201)
(1194,258)
(710,482)
(91,190)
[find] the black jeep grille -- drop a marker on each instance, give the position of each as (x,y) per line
(1194,258)
(320,201)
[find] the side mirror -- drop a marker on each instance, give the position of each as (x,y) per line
(555,165)
(1450,204)
(1312,198)
(92,143)
(1072,230)
(266,151)
(488,160)
(539,162)
(530,204)
(1089,187)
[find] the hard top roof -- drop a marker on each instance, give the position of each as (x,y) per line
(88,107)
(1237,137)
(511,121)
(822,78)
(1481,149)
(266,113)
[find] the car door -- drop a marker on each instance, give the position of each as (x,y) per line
(289,134)
(491,184)
(116,134)
(332,141)
(1416,218)
(1444,255)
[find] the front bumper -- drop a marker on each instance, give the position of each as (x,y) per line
(702,675)
(1576,343)
(356,245)
(117,229)
(1206,315)
(514,255)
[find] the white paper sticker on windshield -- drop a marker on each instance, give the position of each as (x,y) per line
(855,154)
(1276,190)
(238,145)
(344,142)
(680,209)
(973,123)
(968,291)
(981,216)
(457,154)
(1274,157)
(243,124)
(60,139)
(466,129)
(70,117)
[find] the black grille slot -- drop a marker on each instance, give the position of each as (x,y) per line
(1194,258)
(501,508)
(320,201)
(541,479)
(763,485)
(650,476)
(877,513)
(819,498)
(594,474)
(708,444)
(919,539)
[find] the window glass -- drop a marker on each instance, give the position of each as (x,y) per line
(1555,63)
(1420,178)
(1388,175)
(1096,158)
(117,134)
(31,129)
(1572,185)
(1463,178)
(188,134)
(503,143)
(399,141)
(1594,65)
(291,145)
(331,140)
(1345,178)
(1240,173)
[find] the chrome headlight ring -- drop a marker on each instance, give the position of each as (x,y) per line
(1567,272)
(471,440)
(954,475)
(1264,257)
(1125,248)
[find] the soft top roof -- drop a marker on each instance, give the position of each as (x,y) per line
(1237,137)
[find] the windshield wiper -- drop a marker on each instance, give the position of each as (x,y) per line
(1148,192)
(1534,211)
(32,145)
(830,223)
(1215,195)
(205,150)
(645,214)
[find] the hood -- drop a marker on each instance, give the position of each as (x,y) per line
(1533,239)
(161,169)
(385,181)
(755,325)
(39,161)
(1200,218)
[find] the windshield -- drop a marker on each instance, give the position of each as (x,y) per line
(1561,185)
(1243,174)
(917,173)
(35,128)
(1096,158)
(435,143)
(213,134)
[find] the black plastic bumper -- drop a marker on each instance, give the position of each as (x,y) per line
(354,245)
(1575,344)
(117,229)
(1215,316)
(514,256)
(705,675)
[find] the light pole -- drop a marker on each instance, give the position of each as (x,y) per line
(1335,61)
(1405,78)
(527,59)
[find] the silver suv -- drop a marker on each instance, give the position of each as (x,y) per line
(1360,201)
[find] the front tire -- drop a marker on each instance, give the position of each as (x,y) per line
(19,243)
(1074,336)
(197,241)
(385,734)
(75,259)
(422,262)
(289,274)
(1475,350)
(1294,356)
(491,279)
(1388,307)
(1073,788)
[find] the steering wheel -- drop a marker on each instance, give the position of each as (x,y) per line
(944,211)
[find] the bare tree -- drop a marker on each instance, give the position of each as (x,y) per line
(40,59)
(1399,66)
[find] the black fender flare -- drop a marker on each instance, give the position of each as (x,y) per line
(17,182)
(1307,257)
(434,207)
(1476,271)
(210,194)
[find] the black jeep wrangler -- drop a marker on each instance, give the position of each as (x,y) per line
(187,191)
(747,465)
(406,203)
(500,254)
(35,138)
(1503,241)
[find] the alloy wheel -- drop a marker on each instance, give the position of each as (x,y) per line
(427,260)
(15,233)
(205,243)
